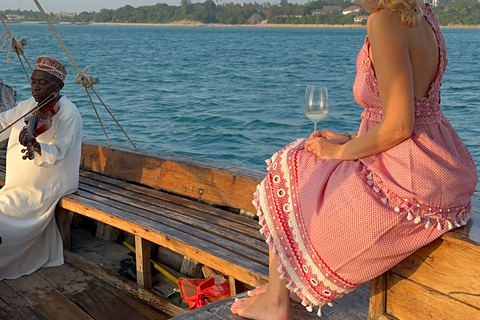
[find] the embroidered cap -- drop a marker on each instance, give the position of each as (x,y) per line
(52,66)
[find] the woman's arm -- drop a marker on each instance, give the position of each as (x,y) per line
(390,54)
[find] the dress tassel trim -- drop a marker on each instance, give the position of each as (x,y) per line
(409,216)
(448,218)
(289,285)
(428,225)
(310,299)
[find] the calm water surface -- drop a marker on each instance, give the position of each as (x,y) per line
(232,94)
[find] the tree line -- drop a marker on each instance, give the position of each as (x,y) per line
(449,12)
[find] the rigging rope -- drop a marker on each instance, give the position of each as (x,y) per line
(15,45)
(82,77)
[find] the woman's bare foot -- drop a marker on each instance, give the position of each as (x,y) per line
(261,289)
(258,290)
(262,307)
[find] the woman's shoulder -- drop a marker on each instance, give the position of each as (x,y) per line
(385,19)
(386,26)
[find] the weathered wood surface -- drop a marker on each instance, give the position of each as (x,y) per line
(377,302)
(353,306)
(407,299)
(439,281)
(223,240)
(67,293)
(206,243)
(210,181)
(133,289)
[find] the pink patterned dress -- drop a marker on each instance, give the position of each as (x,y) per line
(333,225)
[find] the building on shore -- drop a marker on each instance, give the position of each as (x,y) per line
(327,10)
(15,17)
(255,19)
(360,19)
(355,10)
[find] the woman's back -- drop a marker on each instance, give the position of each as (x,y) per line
(423,50)
(424,56)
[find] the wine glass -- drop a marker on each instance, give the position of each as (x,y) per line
(316,104)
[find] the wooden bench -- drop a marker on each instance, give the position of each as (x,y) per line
(441,281)
(160,198)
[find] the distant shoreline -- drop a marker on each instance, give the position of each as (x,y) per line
(263,25)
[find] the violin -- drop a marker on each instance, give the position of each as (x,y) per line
(38,122)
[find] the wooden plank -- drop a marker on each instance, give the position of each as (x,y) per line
(105,253)
(168,201)
(212,225)
(107,233)
(377,297)
(89,294)
(14,307)
(353,306)
(191,268)
(409,300)
(471,232)
(205,180)
(93,178)
(98,300)
(45,299)
(223,260)
(201,230)
(158,302)
(208,272)
(144,266)
(63,221)
(232,285)
(108,255)
(446,267)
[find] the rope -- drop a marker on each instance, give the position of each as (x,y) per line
(82,78)
(15,45)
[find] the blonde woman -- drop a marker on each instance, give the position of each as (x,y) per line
(337,209)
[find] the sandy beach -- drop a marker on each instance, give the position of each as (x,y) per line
(260,25)
(184,23)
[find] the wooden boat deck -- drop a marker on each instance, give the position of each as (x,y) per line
(71,291)
(87,286)
(353,306)
(66,292)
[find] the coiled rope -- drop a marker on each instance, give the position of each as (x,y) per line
(15,45)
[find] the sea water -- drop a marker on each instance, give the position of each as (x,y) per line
(233,94)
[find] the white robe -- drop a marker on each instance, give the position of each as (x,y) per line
(31,239)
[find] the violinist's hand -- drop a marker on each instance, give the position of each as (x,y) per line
(23,137)
(332,136)
(32,144)
(324,148)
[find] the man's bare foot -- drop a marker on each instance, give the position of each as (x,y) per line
(261,289)
(261,307)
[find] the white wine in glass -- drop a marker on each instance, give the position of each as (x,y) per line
(316,104)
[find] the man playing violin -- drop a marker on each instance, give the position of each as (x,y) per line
(43,156)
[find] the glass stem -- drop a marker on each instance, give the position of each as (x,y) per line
(314,127)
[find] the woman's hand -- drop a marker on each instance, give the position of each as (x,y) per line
(325,148)
(332,136)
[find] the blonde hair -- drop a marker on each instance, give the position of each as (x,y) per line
(410,10)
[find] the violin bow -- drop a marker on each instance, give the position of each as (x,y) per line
(46,101)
